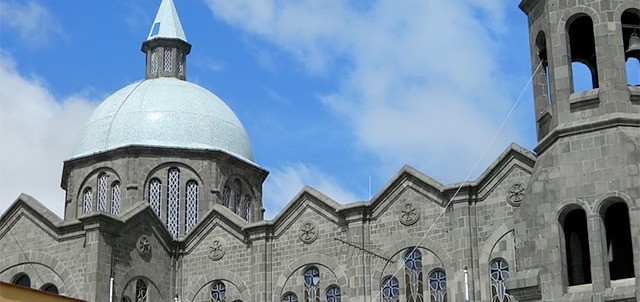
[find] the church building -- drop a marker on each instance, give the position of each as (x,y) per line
(164,198)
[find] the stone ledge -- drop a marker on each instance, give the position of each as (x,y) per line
(525,285)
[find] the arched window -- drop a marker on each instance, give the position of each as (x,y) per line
(583,48)
(115,198)
(226,196)
(334,294)
(237,196)
(50,288)
(191,205)
(499,273)
(218,292)
(87,200)
(247,208)
(141,291)
(311,283)
(155,195)
(413,275)
(630,36)
(173,201)
(389,289)
(101,203)
(154,62)
(576,244)
(619,249)
(438,286)
(541,45)
(22,279)
(289,297)
(167,59)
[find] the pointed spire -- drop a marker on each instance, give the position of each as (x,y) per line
(167,24)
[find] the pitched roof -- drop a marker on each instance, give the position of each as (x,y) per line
(167,24)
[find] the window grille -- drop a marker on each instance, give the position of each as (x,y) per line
(438,286)
(173,201)
(155,195)
(334,294)
(390,289)
(311,283)
(141,291)
(247,208)
(154,62)
(167,59)
(289,297)
(102,193)
(87,200)
(413,275)
(237,196)
(115,198)
(180,62)
(218,292)
(191,205)
(226,196)
(499,273)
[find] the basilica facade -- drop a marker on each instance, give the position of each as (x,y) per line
(164,199)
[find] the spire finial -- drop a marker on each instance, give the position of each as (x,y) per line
(167,24)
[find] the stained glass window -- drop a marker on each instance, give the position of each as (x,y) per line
(334,294)
(87,200)
(155,195)
(102,192)
(390,289)
(115,198)
(218,292)
(191,205)
(289,297)
(311,282)
(413,275)
(499,273)
(438,286)
(237,196)
(247,208)
(154,62)
(173,201)
(180,62)
(141,291)
(167,59)
(226,196)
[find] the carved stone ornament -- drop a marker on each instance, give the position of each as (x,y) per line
(308,232)
(144,245)
(410,213)
(516,194)
(217,249)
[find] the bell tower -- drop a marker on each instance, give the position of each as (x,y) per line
(579,224)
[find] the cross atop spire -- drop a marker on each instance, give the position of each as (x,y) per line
(167,24)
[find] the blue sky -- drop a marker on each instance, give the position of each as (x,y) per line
(332,93)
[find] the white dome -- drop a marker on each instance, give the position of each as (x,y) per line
(165,112)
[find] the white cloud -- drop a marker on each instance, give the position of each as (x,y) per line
(32,20)
(37,133)
(423,85)
(284,183)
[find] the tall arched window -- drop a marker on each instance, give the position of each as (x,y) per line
(630,20)
(438,286)
(333,294)
(311,283)
(576,244)
(155,195)
(619,249)
(101,203)
(173,201)
(22,279)
(499,273)
(115,198)
(583,48)
(191,205)
(413,275)
(141,291)
(247,208)
(289,297)
(226,196)
(218,292)
(389,289)
(87,200)
(237,196)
